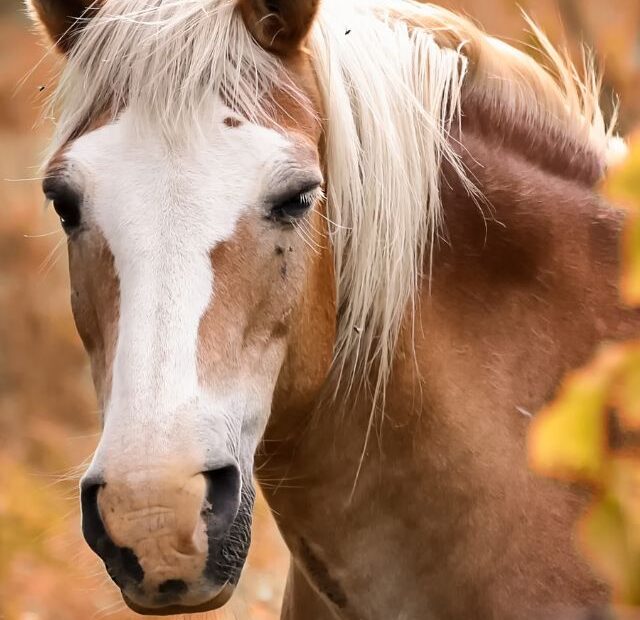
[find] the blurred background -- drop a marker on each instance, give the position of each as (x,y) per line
(48,419)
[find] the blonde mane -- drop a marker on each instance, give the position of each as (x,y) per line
(393,75)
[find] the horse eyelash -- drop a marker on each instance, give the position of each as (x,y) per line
(311,196)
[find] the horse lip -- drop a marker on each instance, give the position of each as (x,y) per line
(215,603)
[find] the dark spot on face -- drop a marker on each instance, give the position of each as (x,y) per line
(322,579)
(290,249)
(280,330)
(279,250)
(232,122)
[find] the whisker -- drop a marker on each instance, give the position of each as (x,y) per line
(332,222)
(40,236)
(319,233)
(26,179)
(109,610)
(51,260)
(308,240)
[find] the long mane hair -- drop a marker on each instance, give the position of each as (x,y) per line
(394,75)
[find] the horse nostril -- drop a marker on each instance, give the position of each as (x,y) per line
(121,563)
(92,526)
(175,587)
(223,498)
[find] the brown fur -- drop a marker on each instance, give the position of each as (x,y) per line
(447,521)
(279,25)
(568,157)
(95,301)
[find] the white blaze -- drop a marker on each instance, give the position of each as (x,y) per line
(162,211)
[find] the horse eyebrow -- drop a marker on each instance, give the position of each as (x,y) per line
(56,166)
(289,178)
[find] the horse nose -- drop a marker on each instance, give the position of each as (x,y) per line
(154,531)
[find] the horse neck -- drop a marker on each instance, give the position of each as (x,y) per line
(537,186)
(523,289)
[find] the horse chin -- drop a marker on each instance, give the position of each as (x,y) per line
(215,603)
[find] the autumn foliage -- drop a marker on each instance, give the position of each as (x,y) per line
(590,432)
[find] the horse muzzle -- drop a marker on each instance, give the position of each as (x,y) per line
(173,543)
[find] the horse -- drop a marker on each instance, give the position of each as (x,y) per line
(347,249)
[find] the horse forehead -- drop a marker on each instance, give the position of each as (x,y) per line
(221,147)
(136,177)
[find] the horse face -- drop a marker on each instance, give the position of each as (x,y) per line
(188,261)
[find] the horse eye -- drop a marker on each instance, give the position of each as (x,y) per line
(293,208)
(66,203)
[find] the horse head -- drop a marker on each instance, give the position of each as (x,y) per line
(195,239)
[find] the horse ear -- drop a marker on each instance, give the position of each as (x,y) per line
(61,20)
(280,26)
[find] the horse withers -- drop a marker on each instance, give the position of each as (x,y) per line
(342,243)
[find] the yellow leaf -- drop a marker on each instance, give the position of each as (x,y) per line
(625,485)
(568,439)
(610,533)
(626,396)
(602,536)
(623,182)
(630,283)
